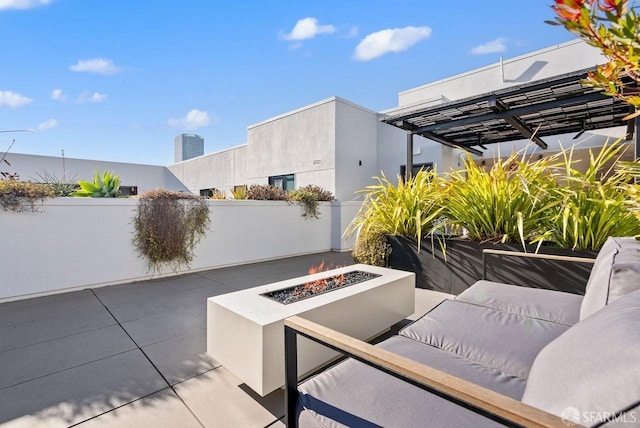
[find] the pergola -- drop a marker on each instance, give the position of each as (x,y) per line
(558,105)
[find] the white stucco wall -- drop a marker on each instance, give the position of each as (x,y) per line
(356,149)
(80,242)
(560,59)
(221,170)
(290,143)
(146,177)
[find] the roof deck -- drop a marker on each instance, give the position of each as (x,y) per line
(134,354)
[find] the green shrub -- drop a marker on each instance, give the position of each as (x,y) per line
(168,226)
(308,201)
(591,205)
(239,192)
(321,194)
(371,248)
(20,196)
(505,204)
(62,187)
(261,192)
(411,208)
(107,186)
(217,194)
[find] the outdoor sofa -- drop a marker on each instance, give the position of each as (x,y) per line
(496,355)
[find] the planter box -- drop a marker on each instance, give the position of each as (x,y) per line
(463,265)
(245,330)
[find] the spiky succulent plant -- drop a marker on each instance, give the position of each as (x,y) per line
(107,186)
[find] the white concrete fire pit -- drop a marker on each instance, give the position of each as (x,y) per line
(245,330)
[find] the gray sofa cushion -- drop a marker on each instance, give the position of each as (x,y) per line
(615,273)
(504,341)
(354,394)
(548,305)
(594,367)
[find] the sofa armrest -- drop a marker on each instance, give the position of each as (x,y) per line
(488,251)
(480,400)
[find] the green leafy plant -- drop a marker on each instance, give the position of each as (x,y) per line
(217,194)
(308,200)
(504,204)
(613,27)
(371,248)
(62,186)
(168,226)
(21,196)
(411,208)
(632,186)
(309,197)
(322,195)
(107,186)
(592,205)
(239,192)
(261,192)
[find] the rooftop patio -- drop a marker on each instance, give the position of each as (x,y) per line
(134,354)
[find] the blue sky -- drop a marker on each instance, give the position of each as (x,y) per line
(119,79)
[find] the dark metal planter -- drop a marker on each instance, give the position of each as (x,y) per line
(463,265)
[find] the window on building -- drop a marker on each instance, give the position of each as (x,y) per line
(285,182)
(428,166)
(128,190)
(207,193)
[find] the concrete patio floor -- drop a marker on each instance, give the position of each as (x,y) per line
(133,355)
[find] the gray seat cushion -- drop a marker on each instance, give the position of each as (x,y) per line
(354,394)
(615,273)
(501,340)
(594,367)
(548,305)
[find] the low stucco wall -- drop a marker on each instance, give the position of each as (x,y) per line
(77,243)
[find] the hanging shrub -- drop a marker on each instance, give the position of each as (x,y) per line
(168,226)
(20,196)
(308,197)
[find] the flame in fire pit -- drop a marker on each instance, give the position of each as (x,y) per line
(320,285)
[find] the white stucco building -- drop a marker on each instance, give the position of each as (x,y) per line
(339,145)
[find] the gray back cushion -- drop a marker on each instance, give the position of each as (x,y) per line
(615,273)
(594,367)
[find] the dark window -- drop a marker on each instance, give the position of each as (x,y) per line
(207,193)
(428,166)
(285,182)
(128,190)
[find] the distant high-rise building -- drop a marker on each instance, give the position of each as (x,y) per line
(188,146)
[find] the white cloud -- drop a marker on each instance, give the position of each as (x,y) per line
(194,119)
(96,65)
(389,40)
(308,28)
(494,46)
(88,97)
(47,124)
(13,100)
(58,95)
(22,4)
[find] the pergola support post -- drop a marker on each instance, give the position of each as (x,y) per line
(409,169)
